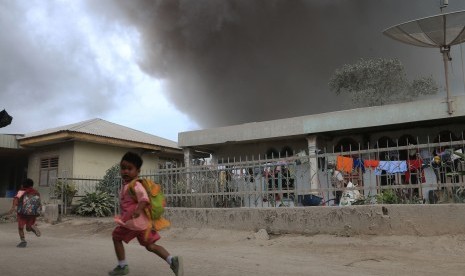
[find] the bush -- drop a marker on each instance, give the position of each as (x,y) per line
(388,196)
(96,204)
(110,181)
(68,190)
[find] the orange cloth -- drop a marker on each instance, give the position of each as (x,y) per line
(344,164)
(371,163)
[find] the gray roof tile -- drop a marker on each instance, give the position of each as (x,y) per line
(100,127)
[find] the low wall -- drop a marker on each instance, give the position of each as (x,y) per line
(49,211)
(422,220)
(5,204)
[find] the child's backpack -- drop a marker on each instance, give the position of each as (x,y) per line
(157,203)
(29,204)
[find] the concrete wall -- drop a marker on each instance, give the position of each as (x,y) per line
(5,204)
(63,151)
(422,220)
(419,220)
(81,159)
(299,143)
(93,160)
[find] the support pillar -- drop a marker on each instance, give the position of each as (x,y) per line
(188,156)
(445,50)
(313,163)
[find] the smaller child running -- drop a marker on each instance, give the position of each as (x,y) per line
(131,212)
(23,219)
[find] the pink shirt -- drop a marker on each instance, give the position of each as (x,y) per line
(128,205)
(20,194)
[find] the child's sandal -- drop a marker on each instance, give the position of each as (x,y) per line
(35,230)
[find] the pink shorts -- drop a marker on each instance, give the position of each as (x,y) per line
(27,221)
(124,234)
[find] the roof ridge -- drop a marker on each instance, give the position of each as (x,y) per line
(140,131)
(84,124)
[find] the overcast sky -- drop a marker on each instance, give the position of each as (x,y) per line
(61,64)
(169,66)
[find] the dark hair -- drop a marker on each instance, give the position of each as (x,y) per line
(132,158)
(27,183)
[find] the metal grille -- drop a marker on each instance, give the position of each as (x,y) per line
(286,181)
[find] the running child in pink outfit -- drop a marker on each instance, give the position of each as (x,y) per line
(132,222)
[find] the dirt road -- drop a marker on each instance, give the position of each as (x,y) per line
(84,247)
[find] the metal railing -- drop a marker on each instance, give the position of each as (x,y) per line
(67,191)
(288,181)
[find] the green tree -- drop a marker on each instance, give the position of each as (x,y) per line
(110,182)
(379,81)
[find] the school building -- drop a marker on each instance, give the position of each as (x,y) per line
(255,154)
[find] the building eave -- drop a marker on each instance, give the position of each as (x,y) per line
(425,111)
(64,136)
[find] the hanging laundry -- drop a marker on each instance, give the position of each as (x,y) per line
(415,166)
(344,164)
(371,163)
(338,176)
(358,163)
(425,154)
(391,167)
(455,156)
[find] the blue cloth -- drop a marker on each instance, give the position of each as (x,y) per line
(391,167)
(358,163)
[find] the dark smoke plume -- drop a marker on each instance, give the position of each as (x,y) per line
(234,61)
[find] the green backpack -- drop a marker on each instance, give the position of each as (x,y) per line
(156,208)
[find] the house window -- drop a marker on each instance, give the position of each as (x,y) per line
(48,171)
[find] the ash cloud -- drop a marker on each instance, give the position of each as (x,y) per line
(236,61)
